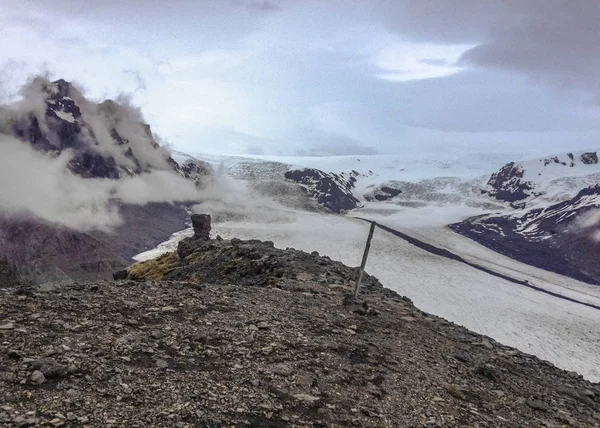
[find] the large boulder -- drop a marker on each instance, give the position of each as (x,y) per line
(201,224)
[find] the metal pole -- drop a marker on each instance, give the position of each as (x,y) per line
(364,259)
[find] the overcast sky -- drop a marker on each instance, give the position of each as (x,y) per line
(326,76)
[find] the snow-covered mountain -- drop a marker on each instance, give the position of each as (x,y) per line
(333,191)
(544,180)
(82,178)
(346,183)
(107,139)
(562,237)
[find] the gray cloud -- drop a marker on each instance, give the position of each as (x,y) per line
(557,41)
(553,41)
(233,76)
(265,5)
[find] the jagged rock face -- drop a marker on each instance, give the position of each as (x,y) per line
(508,185)
(91,164)
(63,128)
(589,158)
(90,131)
(559,238)
(194,170)
(334,191)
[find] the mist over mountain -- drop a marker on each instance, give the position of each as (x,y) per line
(85,185)
(71,160)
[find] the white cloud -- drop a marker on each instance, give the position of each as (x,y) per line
(406,61)
(40,184)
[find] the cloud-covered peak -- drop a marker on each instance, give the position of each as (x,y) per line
(67,159)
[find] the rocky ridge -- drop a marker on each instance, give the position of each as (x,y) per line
(242,351)
(561,238)
(517,183)
(188,354)
(333,191)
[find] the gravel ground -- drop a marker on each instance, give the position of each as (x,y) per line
(275,342)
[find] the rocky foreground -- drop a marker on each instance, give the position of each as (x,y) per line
(248,335)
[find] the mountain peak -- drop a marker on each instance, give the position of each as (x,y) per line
(107,139)
(62,88)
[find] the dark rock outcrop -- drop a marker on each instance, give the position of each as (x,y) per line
(553,159)
(333,191)
(589,158)
(202,226)
(560,238)
(243,262)
(256,263)
(63,126)
(508,185)
(382,193)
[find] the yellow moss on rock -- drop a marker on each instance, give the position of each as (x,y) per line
(154,269)
(196,257)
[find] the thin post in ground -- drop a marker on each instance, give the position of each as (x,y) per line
(364,259)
